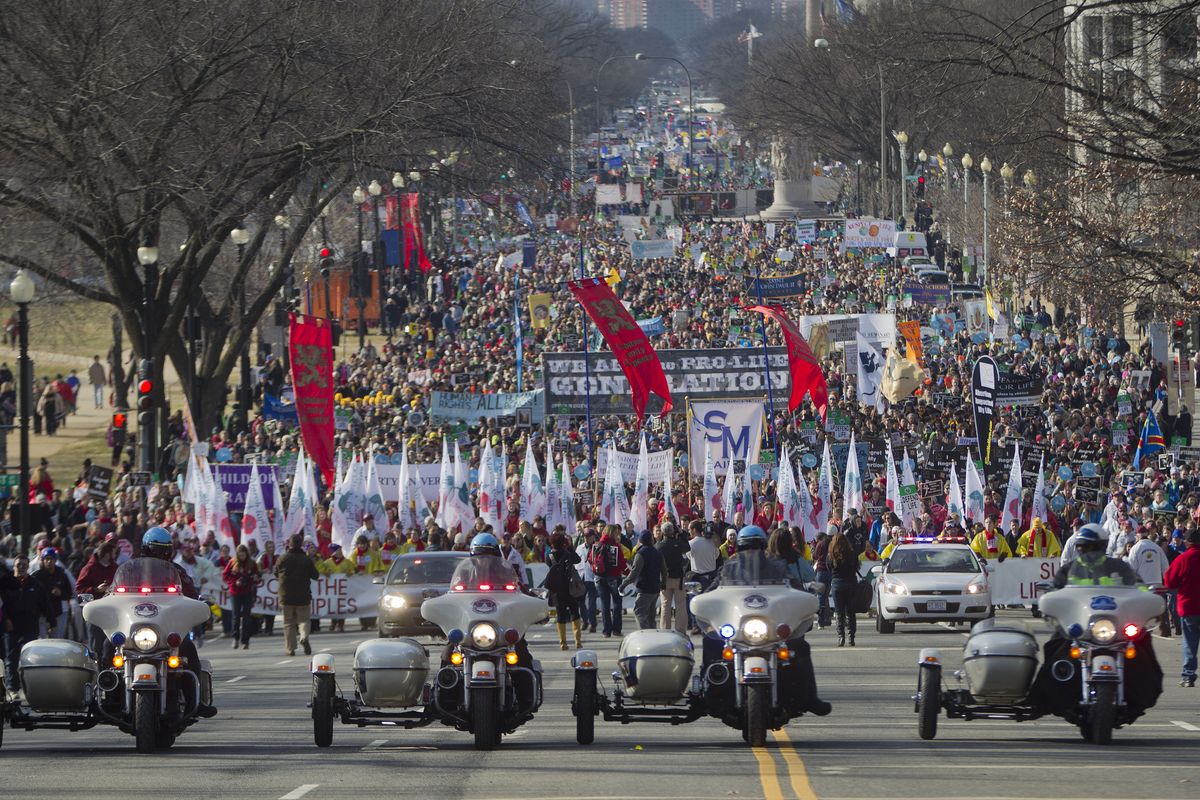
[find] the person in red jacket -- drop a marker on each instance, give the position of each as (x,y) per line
(1183,576)
(608,562)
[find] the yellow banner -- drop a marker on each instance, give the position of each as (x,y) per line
(539,310)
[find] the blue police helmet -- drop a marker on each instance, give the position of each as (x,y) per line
(156,543)
(751,537)
(1091,533)
(485,544)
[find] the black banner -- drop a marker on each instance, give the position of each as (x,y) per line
(785,286)
(710,374)
(1018,390)
(984,378)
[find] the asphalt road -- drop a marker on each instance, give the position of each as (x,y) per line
(260,745)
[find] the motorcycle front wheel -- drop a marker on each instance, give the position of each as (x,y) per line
(758,701)
(1103,713)
(485,718)
(145,722)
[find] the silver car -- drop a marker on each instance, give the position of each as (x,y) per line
(412,579)
(931,582)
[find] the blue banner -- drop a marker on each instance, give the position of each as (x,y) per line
(934,294)
(523,215)
(786,286)
(653,326)
(529,253)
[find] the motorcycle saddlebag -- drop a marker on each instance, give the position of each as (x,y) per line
(999,662)
(390,673)
(656,666)
(58,675)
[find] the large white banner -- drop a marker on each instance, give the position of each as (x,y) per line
(651,248)
(1014,583)
(659,462)
(426,477)
(869,232)
(878,329)
(608,194)
(472,407)
(732,429)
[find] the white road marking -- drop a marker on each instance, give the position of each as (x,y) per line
(374,744)
(324,650)
(235,680)
(285,661)
(300,791)
(1187,726)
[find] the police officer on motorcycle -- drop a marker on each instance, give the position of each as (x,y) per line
(751,566)
(156,543)
(1092,566)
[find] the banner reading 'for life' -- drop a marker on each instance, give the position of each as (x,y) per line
(310,346)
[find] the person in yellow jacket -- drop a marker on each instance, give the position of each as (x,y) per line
(336,564)
(893,540)
(990,543)
(1038,542)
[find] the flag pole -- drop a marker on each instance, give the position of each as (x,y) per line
(687,424)
(587,368)
(762,326)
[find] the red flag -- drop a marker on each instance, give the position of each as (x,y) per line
(414,243)
(628,343)
(806,372)
(310,346)
(391,207)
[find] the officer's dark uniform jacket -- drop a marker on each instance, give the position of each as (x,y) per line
(754,568)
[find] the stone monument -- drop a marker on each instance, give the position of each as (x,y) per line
(791,166)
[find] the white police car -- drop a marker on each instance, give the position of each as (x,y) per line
(923,580)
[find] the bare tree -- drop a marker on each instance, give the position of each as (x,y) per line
(127,122)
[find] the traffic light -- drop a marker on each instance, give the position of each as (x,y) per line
(1179,334)
(920,186)
(120,428)
(145,399)
(326,259)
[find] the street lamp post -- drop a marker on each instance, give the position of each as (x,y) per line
(398,185)
(947,154)
(240,236)
(22,289)
(858,188)
(283,223)
(902,140)
(1006,176)
(967,163)
(360,197)
(374,189)
(691,106)
(147,256)
(985,166)
(923,158)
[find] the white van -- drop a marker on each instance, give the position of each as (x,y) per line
(908,243)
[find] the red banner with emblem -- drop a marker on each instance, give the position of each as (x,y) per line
(310,346)
(802,364)
(628,343)
(414,242)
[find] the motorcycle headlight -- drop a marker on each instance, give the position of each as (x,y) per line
(894,587)
(484,636)
(755,630)
(391,602)
(1104,630)
(145,639)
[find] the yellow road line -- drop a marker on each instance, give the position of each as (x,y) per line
(766,774)
(797,774)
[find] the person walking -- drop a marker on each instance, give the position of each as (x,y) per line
(646,574)
(587,606)
(1183,577)
(674,549)
(564,586)
(243,577)
(608,562)
(820,551)
(58,586)
(843,568)
(98,380)
(296,572)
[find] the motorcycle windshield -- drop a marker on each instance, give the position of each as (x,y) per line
(145,575)
(483,574)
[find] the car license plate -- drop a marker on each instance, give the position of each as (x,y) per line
(936,605)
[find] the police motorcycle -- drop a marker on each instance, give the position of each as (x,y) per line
(487,684)
(753,623)
(142,685)
(1099,670)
